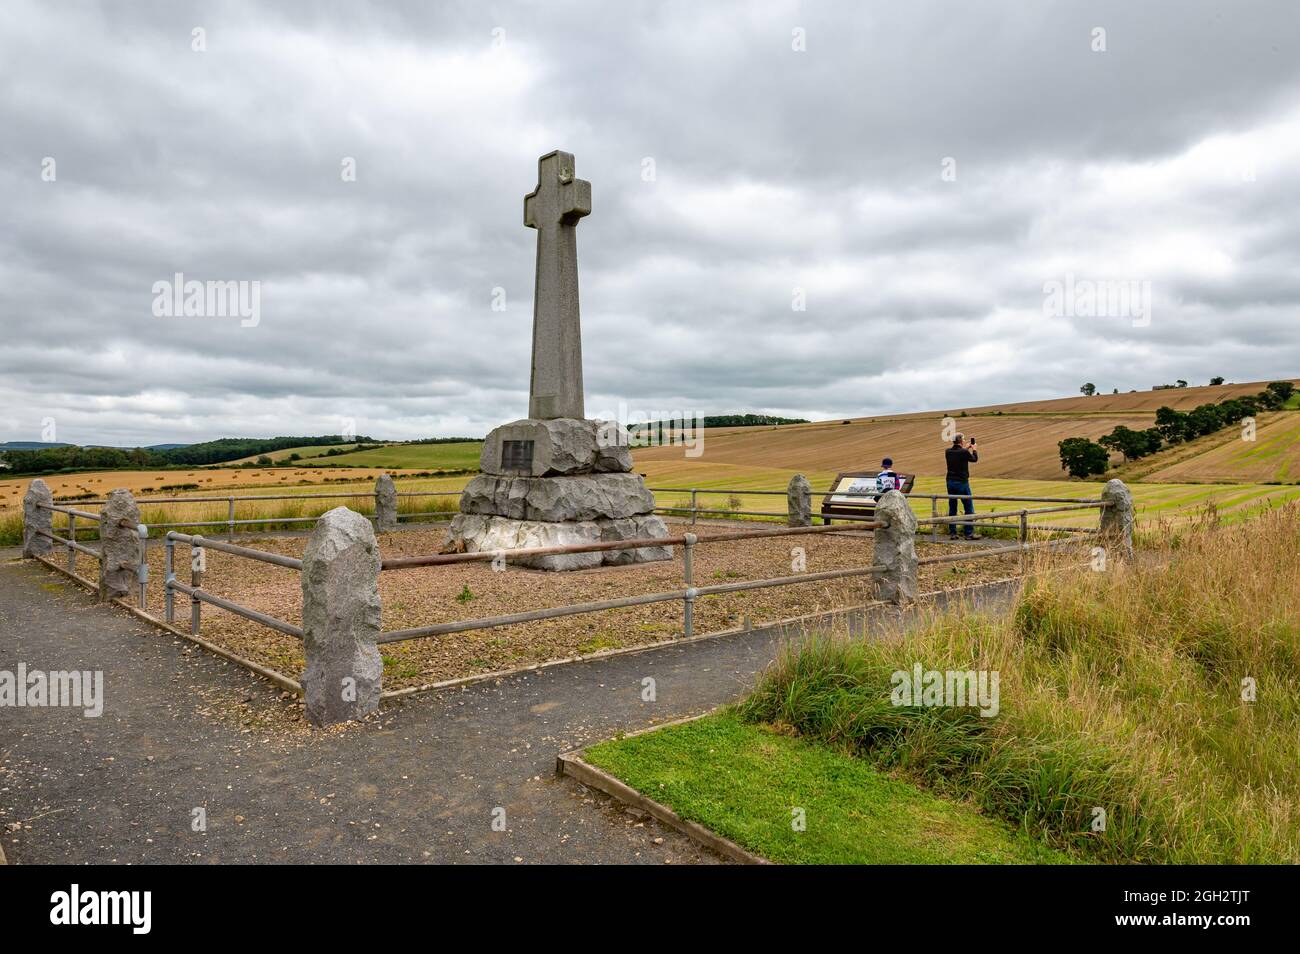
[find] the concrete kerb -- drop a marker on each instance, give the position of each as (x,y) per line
(576,767)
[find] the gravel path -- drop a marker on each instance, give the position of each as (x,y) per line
(421,782)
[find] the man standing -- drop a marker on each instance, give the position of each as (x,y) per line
(959,458)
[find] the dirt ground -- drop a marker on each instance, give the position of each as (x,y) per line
(423,595)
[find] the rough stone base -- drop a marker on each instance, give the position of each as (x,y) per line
(475,533)
(561,445)
(558,499)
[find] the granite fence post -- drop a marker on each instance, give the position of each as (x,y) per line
(1117,518)
(119,546)
(36,519)
(341,619)
(895,549)
(798,497)
(385,504)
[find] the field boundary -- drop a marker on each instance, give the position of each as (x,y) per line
(573,765)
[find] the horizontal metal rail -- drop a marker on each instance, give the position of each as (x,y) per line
(71,544)
(482,556)
(703,490)
(787,580)
(690,593)
(145,498)
(722,513)
(1041,527)
(573,609)
(840,493)
(1003,514)
(724,535)
(292,563)
(984,552)
(70,511)
(239,610)
(1063,500)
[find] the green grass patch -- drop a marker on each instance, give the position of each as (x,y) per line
(458,456)
(753,785)
(597,643)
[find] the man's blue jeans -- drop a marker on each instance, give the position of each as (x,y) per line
(960,488)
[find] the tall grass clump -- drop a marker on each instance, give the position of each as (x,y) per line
(427,506)
(1164,692)
(11,527)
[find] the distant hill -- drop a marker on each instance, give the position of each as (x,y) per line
(47,445)
(67,457)
(29,445)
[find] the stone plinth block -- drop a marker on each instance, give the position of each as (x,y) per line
(895,549)
(641,527)
(562,445)
(119,546)
(341,619)
(385,504)
(577,497)
(798,497)
(36,518)
(1117,518)
(476,533)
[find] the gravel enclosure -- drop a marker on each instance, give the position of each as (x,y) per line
(424,595)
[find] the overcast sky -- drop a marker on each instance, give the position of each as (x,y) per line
(916,172)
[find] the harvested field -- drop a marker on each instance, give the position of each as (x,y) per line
(1274,455)
(209,480)
(419,596)
(1023,447)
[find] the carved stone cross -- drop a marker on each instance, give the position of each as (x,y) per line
(553,208)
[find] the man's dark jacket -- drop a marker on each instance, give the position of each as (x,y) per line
(959,461)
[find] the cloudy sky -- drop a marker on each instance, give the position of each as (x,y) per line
(914,175)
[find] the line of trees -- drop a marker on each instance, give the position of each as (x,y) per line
(725,420)
(1081,457)
(71,457)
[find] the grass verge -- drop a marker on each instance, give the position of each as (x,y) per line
(1164,693)
(750,784)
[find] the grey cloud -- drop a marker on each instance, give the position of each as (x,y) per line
(774,169)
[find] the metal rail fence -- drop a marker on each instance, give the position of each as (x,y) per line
(70,543)
(688,541)
(694,512)
(688,594)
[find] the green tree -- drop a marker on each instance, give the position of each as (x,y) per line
(1088,389)
(1082,457)
(1171,424)
(1132,444)
(1283,390)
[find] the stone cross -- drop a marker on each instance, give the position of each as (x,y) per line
(553,208)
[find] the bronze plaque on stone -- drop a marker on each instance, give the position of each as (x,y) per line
(517,455)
